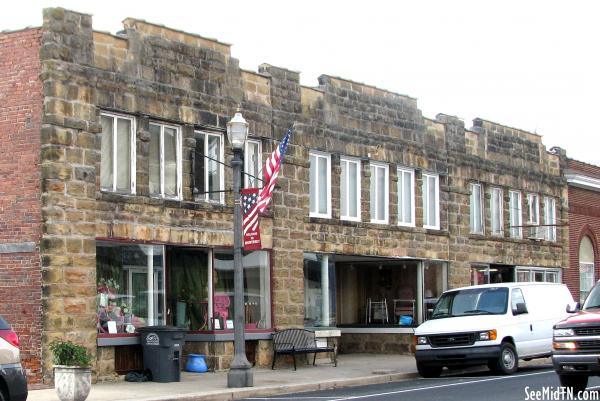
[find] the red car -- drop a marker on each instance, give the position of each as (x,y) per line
(576,344)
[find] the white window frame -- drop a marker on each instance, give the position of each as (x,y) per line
(550,218)
(473,226)
(177,129)
(546,271)
(531,208)
(256,171)
(345,197)
(426,200)
(374,167)
(515,216)
(327,158)
(221,159)
(132,155)
(402,197)
(497,202)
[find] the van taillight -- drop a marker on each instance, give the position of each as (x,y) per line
(10,336)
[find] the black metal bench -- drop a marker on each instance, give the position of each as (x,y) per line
(298,341)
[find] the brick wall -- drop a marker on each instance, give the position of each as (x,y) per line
(20,211)
(584,219)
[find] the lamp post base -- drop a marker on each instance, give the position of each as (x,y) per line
(240,377)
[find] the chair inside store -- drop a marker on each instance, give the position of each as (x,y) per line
(377,311)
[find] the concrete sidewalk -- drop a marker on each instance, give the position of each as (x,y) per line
(352,370)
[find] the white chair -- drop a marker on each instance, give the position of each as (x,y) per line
(377,310)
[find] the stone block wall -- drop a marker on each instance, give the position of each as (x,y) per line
(20,208)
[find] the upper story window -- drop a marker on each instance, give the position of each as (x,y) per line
(550,218)
(476,209)
(515,215)
(320,184)
(253,164)
(209,179)
(379,193)
(431,201)
(165,161)
(117,159)
(350,189)
(496,212)
(406,197)
(533,214)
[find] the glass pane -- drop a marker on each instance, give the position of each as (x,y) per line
(407,197)
(523,276)
(188,281)
(154,160)
(401,196)
(432,204)
(434,285)
(319,291)
(381,194)
(313,184)
(352,190)
(214,168)
(223,287)
(252,165)
(257,294)
(123,155)
(170,160)
(106,156)
(322,190)
(129,286)
(344,188)
(373,191)
(200,165)
(426,201)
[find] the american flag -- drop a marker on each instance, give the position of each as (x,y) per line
(249,197)
(271,171)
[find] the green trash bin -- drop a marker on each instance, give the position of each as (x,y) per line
(162,348)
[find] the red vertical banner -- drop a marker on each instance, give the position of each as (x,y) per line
(251,229)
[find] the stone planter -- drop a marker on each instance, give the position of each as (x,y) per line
(72,383)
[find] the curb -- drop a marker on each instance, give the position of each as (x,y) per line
(267,391)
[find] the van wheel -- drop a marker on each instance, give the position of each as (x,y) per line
(508,361)
(577,383)
(429,371)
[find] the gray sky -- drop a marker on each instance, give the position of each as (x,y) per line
(533,65)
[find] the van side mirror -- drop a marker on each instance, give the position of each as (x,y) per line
(520,309)
(572,308)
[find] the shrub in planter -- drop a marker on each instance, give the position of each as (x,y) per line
(72,372)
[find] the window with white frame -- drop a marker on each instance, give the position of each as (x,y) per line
(350,189)
(320,184)
(406,197)
(476,209)
(515,215)
(253,164)
(537,274)
(496,212)
(533,215)
(431,201)
(165,161)
(117,154)
(379,189)
(550,218)
(209,181)
(586,267)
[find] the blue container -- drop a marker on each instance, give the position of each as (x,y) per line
(405,320)
(196,363)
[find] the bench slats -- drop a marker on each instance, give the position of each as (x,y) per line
(298,341)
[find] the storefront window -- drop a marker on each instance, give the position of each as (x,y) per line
(319,290)
(434,284)
(377,293)
(188,288)
(130,287)
(257,295)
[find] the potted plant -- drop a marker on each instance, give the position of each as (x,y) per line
(72,371)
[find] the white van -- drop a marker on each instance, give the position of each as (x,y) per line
(493,324)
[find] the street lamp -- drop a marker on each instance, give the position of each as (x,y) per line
(240,372)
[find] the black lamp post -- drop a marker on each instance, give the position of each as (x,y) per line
(240,372)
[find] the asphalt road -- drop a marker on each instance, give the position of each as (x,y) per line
(475,385)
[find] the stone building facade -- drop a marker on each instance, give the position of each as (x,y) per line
(376,212)
(584,226)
